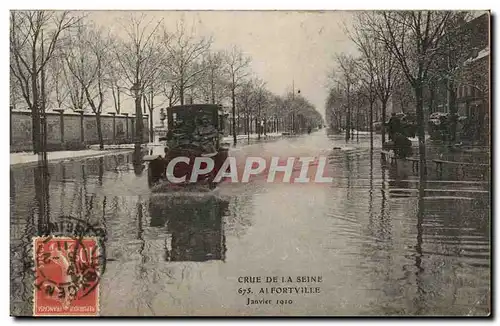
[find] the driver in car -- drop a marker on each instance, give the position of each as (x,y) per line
(205,135)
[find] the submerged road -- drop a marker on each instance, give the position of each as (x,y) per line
(368,243)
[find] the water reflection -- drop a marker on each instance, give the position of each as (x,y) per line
(12,187)
(399,183)
(384,241)
(195,226)
(419,273)
(137,161)
(42,198)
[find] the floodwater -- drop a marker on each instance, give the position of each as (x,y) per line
(375,241)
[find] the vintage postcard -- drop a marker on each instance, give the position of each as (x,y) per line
(250,163)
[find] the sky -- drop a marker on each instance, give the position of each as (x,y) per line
(286,47)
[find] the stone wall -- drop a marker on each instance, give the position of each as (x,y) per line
(64,131)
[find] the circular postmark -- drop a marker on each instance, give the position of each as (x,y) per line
(78,229)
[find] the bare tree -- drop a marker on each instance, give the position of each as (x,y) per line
(57,89)
(365,70)
(278,109)
(413,37)
(139,58)
(116,83)
(261,101)
(245,99)
(378,64)
(213,85)
(237,70)
(335,106)
(348,81)
(34,36)
(451,55)
(185,52)
(154,89)
(88,61)
(76,91)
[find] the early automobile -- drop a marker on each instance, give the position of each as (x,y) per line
(194,130)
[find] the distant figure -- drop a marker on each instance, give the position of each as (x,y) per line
(394,125)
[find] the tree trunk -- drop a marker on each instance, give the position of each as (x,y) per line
(371,124)
(348,119)
(348,125)
(233,109)
(420,129)
(118,109)
(258,124)
(138,123)
(432,97)
(151,109)
(453,112)
(245,126)
(35,114)
(357,124)
(213,87)
(43,138)
(151,131)
(181,93)
(238,124)
(247,122)
(384,117)
(99,130)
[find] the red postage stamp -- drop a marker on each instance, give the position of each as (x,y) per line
(67,272)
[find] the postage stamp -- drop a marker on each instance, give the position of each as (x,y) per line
(67,274)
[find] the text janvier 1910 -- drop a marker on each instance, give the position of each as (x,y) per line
(288,285)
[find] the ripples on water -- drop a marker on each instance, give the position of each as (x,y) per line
(381,245)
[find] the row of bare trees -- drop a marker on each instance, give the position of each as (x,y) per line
(396,48)
(260,111)
(64,59)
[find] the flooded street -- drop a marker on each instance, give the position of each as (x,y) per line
(380,246)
